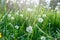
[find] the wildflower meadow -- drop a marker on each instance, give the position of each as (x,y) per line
(29,23)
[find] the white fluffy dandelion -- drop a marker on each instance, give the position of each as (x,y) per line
(3,16)
(40,20)
(56,8)
(16,26)
(55,38)
(43,38)
(29,29)
(21,2)
(58,3)
(12,18)
(21,15)
(9,15)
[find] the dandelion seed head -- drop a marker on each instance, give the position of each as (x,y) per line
(12,18)
(40,20)
(9,15)
(58,3)
(3,16)
(55,38)
(21,2)
(56,8)
(21,15)
(43,38)
(17,27)
(29,29)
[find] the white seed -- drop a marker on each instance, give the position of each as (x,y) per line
(17,27)
(29,29)
(40,20)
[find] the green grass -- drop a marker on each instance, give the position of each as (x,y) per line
(48,28)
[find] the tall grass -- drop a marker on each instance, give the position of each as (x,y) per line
(48,28)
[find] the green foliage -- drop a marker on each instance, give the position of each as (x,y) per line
(24,18)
